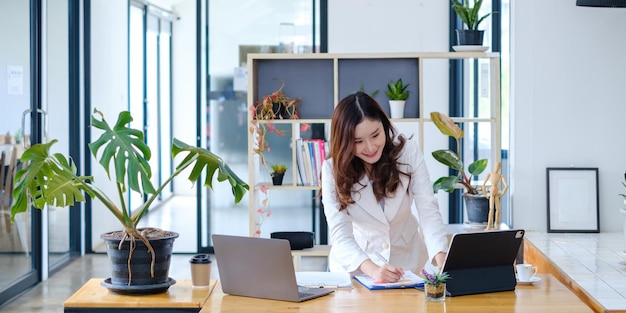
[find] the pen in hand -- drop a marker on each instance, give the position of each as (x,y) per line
(382,258)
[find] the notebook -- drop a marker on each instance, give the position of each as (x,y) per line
(482,262)
(260,268)
(409,280)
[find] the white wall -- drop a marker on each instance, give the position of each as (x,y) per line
(568,75)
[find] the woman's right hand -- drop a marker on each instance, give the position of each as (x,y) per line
(382,274)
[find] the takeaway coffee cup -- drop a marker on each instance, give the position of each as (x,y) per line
(526,272)
(200,270)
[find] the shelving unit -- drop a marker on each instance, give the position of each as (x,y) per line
(321,80)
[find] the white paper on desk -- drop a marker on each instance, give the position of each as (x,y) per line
(409,279)
(324,279)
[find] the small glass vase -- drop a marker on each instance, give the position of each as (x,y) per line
(434,293)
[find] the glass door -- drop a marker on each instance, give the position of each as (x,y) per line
(237,28)
(17,266)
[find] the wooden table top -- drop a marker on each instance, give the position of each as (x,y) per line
(548,295)
(180,295)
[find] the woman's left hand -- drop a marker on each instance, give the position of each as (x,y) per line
(440,258)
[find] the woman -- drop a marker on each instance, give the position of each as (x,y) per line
(369,183)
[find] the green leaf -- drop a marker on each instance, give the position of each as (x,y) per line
(445,183)
(477,167)
(48,179)
(448,158)
(126,147)
(446,126)
(205,160)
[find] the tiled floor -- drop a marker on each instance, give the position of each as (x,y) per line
(595,262)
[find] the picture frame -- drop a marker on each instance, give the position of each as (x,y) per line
(573,202)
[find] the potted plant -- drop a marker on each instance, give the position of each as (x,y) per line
(141,255)
(477,205)
(397,93)
(278,173)
(468,14)
(435,286)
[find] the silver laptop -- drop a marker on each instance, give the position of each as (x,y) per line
(260,268)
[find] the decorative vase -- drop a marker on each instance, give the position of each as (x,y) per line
(434,293)
(470,37)
(277,178)
(397,108)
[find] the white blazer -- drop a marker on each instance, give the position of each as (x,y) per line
(364,228)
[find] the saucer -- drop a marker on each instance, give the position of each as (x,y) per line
(470,48)
(530,282)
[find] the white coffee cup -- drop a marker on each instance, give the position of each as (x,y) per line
(526,272)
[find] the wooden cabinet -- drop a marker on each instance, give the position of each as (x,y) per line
(320,81)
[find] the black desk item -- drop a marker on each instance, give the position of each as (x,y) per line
(482,262)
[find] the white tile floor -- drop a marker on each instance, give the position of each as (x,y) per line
(595,262)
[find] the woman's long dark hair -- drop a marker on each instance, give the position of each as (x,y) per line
(349,169)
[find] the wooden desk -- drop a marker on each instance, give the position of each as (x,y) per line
(549,295)
(180,297)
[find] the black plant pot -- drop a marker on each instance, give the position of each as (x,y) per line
(138,279)
(470,37)
(277,178)
(477,207)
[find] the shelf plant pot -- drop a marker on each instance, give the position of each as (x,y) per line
(277,178)
(477,207)
(470,37)
(397,108)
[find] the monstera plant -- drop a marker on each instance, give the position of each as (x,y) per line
(52,180)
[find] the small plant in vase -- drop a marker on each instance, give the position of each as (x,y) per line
(435,286)
(278,173)
(397,93)
(468,14)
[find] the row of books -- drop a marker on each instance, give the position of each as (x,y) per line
(310,154)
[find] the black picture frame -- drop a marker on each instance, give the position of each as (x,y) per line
(573,200)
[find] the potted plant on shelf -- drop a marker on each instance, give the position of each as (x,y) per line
(271,107)
(278,173)
(470,35)
(140,257)
(477,204)
(397,93)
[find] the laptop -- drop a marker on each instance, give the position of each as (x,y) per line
(482,262)
(260,268)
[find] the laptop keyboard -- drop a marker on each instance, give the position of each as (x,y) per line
(304,294)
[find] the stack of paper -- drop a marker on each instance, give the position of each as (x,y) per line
(323,279)
(409,280)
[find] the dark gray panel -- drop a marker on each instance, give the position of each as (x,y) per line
(375,74)
(309,80)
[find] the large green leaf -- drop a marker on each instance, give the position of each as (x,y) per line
(445,183)
(448,158)
(211,163)
(126,147)
(48,179)
(477,167)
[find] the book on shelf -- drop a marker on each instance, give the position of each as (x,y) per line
(310,155)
